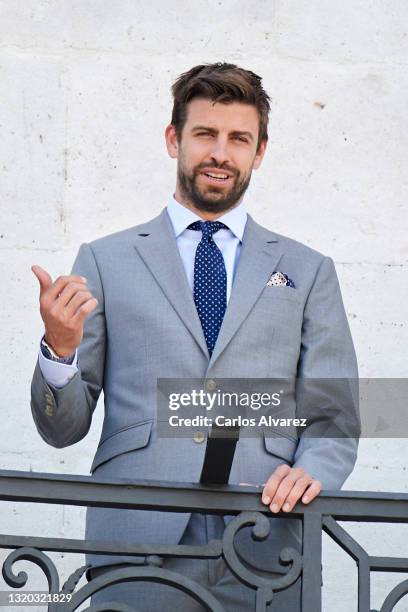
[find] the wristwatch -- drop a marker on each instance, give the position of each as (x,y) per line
(48,352)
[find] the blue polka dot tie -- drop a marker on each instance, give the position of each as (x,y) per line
(210,281)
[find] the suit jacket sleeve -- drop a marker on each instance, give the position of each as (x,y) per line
(328,384)
(63,415)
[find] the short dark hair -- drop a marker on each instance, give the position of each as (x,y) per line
(220,82)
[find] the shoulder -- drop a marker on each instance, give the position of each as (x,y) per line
(126,238)
(289,246)
(301,250)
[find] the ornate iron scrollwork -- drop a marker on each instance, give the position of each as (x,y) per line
(366,564)
(265,587)
(394,597)
(138,574)
(324,512)
(34,556)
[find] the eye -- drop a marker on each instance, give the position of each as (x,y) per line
(241,138)
(203,134)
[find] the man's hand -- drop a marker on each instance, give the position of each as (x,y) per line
(286,486)
(64,305)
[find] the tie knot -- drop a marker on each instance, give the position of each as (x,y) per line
(208,228)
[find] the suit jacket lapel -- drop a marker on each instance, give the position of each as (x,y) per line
(157,246)
(259,257)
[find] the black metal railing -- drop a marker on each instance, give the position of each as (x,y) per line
(243,503)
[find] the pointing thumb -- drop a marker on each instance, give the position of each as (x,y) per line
(44,278)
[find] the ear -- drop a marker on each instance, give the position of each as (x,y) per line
(171,141)
(259,155)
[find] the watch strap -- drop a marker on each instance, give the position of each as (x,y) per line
(49,354)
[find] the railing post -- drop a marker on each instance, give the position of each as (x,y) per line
(312,562)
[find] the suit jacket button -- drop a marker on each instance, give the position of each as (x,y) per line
(199,437)
(211,384)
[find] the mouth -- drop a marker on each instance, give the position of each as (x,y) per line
(216,178)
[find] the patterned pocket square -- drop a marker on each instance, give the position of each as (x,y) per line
(280,279)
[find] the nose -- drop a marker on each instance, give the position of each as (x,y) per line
(219,151)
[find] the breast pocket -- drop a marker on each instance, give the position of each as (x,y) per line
(280,305)
(122,441)
(282,293)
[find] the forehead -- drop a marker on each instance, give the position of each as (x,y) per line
(234,116)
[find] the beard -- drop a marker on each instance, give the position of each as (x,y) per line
(211,198)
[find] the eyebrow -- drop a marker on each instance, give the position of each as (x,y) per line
(197,128)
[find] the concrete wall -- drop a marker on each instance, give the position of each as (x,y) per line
(85,97)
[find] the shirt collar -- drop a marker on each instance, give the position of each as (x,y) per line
(181,217)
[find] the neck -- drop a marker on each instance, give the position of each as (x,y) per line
(203,214)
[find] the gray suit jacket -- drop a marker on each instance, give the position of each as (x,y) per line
(146,327)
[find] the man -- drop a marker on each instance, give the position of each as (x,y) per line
(201,291)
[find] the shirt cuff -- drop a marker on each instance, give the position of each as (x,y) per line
(55,373)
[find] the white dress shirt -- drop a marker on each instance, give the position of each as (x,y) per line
(227,240)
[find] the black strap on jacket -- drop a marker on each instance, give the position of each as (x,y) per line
(219,454)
